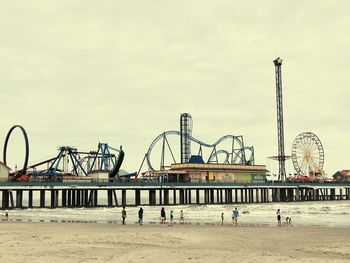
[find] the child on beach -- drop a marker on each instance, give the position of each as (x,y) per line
(181,217)
(288,220)
(222,218)
(171,217)
(123,215)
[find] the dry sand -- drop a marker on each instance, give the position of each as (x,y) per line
(68,242)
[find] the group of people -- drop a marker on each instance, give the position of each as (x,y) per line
(235,215)
(162,216)
(288,218)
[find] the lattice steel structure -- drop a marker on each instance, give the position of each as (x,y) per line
(280,130)
(185,133)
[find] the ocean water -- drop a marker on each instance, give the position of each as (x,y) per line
(324,214)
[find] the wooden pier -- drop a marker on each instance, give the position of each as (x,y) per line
(84,194)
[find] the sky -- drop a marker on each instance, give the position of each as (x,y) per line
(81,72)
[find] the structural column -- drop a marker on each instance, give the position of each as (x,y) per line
(182,197)
(206,196)
(42,198)
(19,198)
(70,197)
(212,196)
(52,192)
(290,194)
(166,196)
(109,198)
(137,197)
(64,198)
(160,196)
(124,197)
(95,198)
(197,196)
(152,197)
(332,194)
(30,199)
(5,199)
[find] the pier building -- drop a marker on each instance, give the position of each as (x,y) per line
(342,176)
(4,172)
(204,172)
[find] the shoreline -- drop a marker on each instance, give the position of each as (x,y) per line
(154,223)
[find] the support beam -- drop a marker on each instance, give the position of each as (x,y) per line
(30,199)
(124,197)
(137,197)
(42,198)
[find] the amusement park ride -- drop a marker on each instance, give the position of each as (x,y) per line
(69,162)
(307,153)
(235,151)
(307,150)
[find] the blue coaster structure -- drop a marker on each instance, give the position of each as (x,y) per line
(68,162)
(81,163)
(237,153)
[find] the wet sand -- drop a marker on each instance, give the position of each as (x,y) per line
(85,242)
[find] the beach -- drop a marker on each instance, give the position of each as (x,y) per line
(91,242)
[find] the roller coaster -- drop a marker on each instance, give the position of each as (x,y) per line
(68,162)
(71,162)
(236,153)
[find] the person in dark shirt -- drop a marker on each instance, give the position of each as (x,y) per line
(123,215)
(140,215)
(162,216)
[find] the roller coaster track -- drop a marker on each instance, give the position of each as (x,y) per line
(236,153)
(26,141)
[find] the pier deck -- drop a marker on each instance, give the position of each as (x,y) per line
(111,194)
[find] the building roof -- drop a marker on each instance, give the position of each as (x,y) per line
(218,167)
(344,173)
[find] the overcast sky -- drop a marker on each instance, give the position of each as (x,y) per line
(79,72)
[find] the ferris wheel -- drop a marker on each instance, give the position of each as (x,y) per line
(307,154)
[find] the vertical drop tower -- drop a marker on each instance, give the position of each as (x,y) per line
(280,130)
(185,133)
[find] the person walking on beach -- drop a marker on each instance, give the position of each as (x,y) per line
(162,216)
(181,217)
(7,215)
(278,213)
(171,217)
(140,215)
(222,218)
(123,215)
(235,215)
